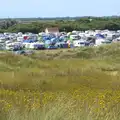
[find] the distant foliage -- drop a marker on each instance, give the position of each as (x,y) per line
(5,24)
(67,25)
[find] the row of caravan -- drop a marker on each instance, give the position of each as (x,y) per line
(20,45)
(41,45)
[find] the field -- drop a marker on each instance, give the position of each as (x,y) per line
(71,84)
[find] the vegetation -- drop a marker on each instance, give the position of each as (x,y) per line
(70,84)
(5,24)
(85,23)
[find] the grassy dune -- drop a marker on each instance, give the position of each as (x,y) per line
(71,84)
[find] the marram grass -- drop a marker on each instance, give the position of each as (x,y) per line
(63,85)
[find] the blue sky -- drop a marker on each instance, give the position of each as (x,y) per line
(58,8)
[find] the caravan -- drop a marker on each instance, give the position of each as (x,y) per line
(80,43)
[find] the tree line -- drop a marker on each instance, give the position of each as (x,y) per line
(80,24)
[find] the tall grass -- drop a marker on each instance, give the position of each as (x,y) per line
(72,84)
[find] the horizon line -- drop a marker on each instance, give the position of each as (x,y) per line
(58,17)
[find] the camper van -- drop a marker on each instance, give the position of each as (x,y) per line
(80,43)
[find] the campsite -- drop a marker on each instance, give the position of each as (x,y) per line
(53,39)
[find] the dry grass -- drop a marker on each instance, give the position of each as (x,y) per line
(77,84)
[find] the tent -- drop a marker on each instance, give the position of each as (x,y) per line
(100,36)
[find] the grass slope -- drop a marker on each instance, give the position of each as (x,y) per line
(72,84)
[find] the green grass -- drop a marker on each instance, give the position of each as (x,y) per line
(65,84)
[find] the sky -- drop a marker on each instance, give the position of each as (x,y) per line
(58,8)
